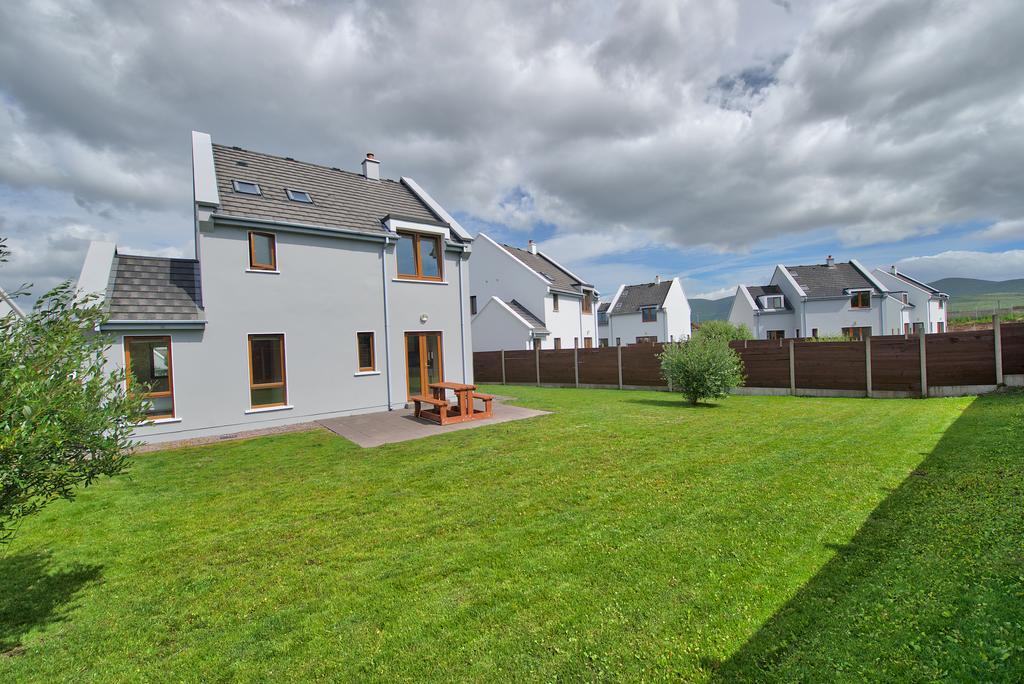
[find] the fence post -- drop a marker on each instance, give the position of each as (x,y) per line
(536,357)
(502,366)
(576,364)
(867,362)
(997,333)
(924,365)
(792,367)
(618,348)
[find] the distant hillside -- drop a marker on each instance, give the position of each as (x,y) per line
(710,309)
(967,287)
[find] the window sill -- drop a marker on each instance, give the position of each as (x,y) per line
(262,270)
(158,421)
(270,409)
(422,281)
(360,373)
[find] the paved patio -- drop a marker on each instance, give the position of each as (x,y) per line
(375,429)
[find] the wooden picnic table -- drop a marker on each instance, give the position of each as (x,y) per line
(443,413)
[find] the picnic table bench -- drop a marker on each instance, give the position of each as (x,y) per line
(443,412)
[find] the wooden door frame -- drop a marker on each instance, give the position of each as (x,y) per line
(423,358)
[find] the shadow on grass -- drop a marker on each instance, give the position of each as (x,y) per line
(33,594)
(678,402)
(929,587)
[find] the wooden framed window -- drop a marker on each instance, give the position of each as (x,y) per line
(554,301)
(775,334)
(558,343)
(262,251)
(472,305)
(150,371)
(647,339)
(588,343)
(649,314)
(940,327)
(419,256)
(861,300)
(366,352)
(267,378)
(857,333)
(587,303)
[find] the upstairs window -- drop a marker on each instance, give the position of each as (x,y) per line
(472,305)
(262,251)
(587,304)
(602,318)
(773,302)
(419,256)
(148,360)
(299,196)
(906,298)
(861,299)
(942,305)
(554,301)
(246,187)
(649,314)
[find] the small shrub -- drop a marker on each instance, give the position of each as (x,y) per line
(702,368)
(724,331)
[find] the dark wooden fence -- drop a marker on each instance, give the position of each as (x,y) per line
(953,362)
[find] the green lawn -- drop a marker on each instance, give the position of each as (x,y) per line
(625,536)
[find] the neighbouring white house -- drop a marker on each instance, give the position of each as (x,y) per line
(602,323)
(820,300)
(524,299)
(8,306)
(648,312)
(929,305)
(314,292)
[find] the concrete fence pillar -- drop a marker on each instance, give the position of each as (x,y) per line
(618,349)
(792,367)
(502,366)
(867,364)
(536,360)
(924,363)
(576,364)
(998,338)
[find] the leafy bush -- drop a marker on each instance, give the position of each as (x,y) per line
(724,331)
(64,420)
(702,368)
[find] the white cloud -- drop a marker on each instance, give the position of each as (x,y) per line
(966,264)
(1004,230)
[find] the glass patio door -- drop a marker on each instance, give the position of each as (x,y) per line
(423,364)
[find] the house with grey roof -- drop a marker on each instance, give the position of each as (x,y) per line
(525,299)
(648,312)
(820,300)
(928,306)
(313,292)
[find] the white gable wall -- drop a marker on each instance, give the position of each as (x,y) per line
(677,314)
(496,328)
(496,273)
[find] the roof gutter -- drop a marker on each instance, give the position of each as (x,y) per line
(187,324)
(344,233)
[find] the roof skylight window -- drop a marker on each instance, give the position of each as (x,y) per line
(299,196)
(246,187)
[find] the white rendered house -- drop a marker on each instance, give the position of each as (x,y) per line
(314,292)
(524,299)
(648,312)
(820,300)
(929,304)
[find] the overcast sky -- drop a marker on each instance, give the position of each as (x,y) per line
(699,138)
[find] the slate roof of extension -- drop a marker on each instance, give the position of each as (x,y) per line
(636,297)
(341,199)
(154,289)
(559,278)
(821,280)
(917,283)
(534,321)
(757,291)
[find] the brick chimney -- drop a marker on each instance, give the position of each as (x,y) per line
(371,167)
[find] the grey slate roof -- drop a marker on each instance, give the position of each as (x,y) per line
(534,321)
(341,199)
(820,280)
(559,279)
(154,289)
(603,307)
(757,291)
(636,297)
(917,283)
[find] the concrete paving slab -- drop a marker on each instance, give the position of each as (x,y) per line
(374,429)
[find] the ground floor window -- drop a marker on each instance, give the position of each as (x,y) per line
(775,334)
(857,333)
(267,385)
(588,342)
(603,342)
(940,327)
(364,348)
(148,361)
(647,339)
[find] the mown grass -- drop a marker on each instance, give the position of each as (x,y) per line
(625,536)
